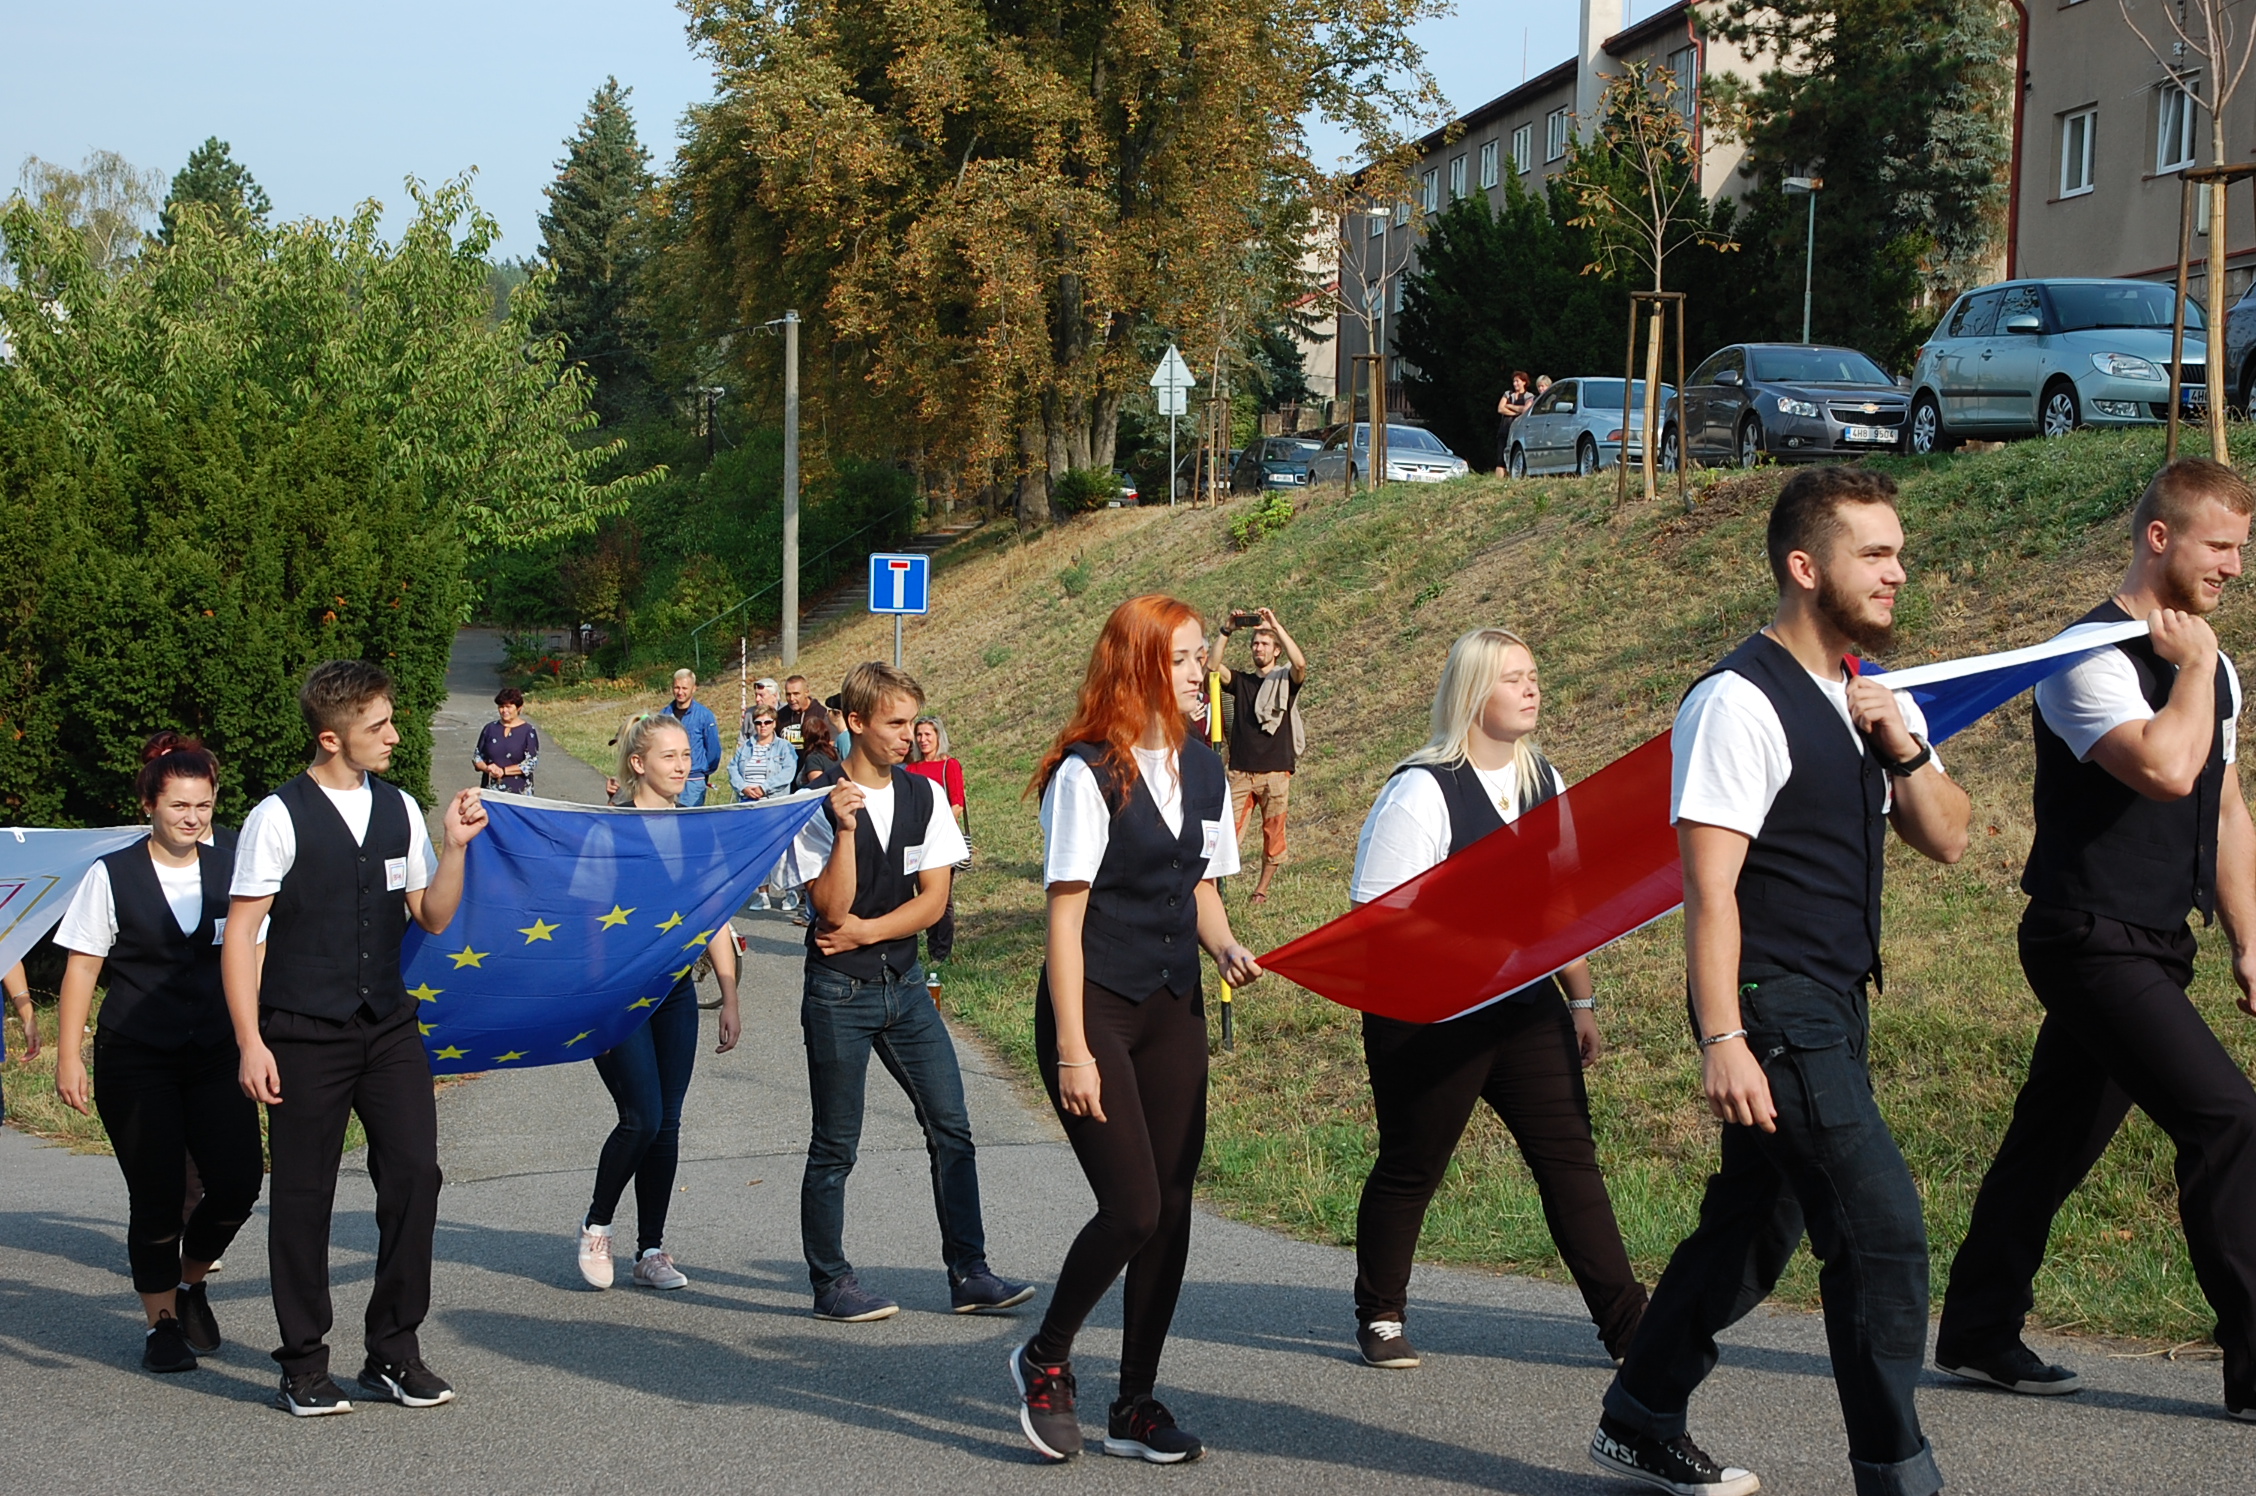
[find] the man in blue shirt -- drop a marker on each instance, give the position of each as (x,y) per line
(704,736)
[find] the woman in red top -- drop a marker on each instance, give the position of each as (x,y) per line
(930,757)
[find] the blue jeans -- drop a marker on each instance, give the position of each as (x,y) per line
(647,1074)
(1833,1168)
(693,793)
(844,1020)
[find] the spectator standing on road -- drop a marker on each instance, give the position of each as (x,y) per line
(1135,821)
(1266,736)
(796,699)
(764,763)
(647,1073)
(1516,402)
(766,696)
(819,764)
(929,758)
(704,732)
(508,748)
(146,921)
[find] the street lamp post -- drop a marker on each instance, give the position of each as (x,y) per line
(1807,187)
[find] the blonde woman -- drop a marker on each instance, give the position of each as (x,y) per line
(1523,1053)
(647,1073)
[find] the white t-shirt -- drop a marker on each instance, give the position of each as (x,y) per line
(1077,824)
(269,845)
(1728,756)
(944,844)
(1407,830)
(90,925)
(2093,697)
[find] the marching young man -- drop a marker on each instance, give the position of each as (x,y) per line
(1789,768)
(877,860)
(341,861)
(2139,821)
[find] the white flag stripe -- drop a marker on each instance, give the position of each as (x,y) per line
(2082,637)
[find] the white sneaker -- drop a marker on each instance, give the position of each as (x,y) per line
(655,1269)
(760,900)
(595,1255)
(791,900)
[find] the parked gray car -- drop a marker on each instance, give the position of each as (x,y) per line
(1414,455)
(1576,427)
(1791,402)
(2031,358)
(1274,462)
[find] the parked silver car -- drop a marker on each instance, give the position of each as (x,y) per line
(1576,427)
(2044,357)
(1413,455)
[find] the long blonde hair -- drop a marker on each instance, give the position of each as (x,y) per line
(1468,678)
(634,743)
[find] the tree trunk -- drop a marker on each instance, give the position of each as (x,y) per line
(1033,474)
(2214,334)
(1652,399)
(1104,428)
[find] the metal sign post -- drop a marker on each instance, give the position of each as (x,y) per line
(1170,383)
(899,585)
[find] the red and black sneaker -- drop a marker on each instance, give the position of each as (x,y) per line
(1142,1429)
(1046,1405)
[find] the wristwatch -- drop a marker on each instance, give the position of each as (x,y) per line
(1909,766)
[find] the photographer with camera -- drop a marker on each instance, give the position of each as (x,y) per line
(1266,736)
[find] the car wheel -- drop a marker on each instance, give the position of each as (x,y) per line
(2060,414)
(1515,462)
(1586,458)
(1750,442)
(1924,434)
(1670,457)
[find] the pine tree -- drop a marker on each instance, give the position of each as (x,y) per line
(214,177)
(594,247)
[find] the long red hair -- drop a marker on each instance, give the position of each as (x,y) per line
(1129,686)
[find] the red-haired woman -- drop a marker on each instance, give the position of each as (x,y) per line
(1136,817)
(147,920)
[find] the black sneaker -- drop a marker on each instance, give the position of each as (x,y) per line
(1383,1344)
(1045,1406)
(166,1348)
(197,1321)
(409,1383)
(1677,1464)
(2016,1369)
(2244,1411)
(846,1302)
(980,1290)
(1143,1429)
(311,1395)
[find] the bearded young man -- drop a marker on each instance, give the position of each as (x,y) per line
(1789,769)
(2139,821)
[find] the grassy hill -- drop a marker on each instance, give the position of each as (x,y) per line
(1625,605)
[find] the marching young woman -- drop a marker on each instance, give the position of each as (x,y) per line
(148,920)
(1523,1053)
(1136,817)
(647,1073)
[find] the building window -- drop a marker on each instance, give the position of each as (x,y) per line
(2178,116)
(1429,191)
(1456,178)
(2076,131)
(1685,63)
(1523,149)
(1378,224)
(1488,164)
(1555,133)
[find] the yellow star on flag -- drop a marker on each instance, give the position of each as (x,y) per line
(671,923)
(469,957)
(685,971)
(514,1054)
(698,939)
(539,929)
(425,1029)
(425,993)
(576,1038)
(451,1053)
(648,1002)
(617,916)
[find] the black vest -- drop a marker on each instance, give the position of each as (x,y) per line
(1809,894)
(334,944)
(880,883)
(1141,930)
(2102,847)
(1472,815)
(163,985)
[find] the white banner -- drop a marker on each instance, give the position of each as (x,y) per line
(39,871)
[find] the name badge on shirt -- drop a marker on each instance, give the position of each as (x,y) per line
(395,874)
(219,930)
(912,858)
(1211,838)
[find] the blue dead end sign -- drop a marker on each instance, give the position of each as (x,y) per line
(900,584)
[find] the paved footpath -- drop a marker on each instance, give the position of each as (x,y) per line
(730,1385)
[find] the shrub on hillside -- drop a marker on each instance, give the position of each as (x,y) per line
(1269,514)
(1084,489)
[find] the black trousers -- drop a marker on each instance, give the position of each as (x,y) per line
(1521,1058)
(377,1068)
(1141,1162)
(162,1109)
(2118,1032)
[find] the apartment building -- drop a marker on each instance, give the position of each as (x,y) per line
(2105,126)
(1525,133)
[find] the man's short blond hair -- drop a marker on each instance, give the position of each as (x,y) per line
(2176,493)
(868,684)
(685,674)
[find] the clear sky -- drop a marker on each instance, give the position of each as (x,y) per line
(329,104)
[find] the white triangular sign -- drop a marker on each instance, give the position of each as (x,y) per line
(1173,373)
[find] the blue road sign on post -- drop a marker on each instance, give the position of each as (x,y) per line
(899,585)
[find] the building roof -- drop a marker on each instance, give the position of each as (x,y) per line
(1526,93)
(1676,17)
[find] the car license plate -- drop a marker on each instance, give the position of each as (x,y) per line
(1867,434)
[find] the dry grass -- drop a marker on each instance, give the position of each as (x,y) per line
(1625,606)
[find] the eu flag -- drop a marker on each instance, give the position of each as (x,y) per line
(576,920)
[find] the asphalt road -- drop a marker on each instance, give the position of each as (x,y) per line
(730,1383)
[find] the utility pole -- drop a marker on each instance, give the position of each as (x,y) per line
(790,489)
